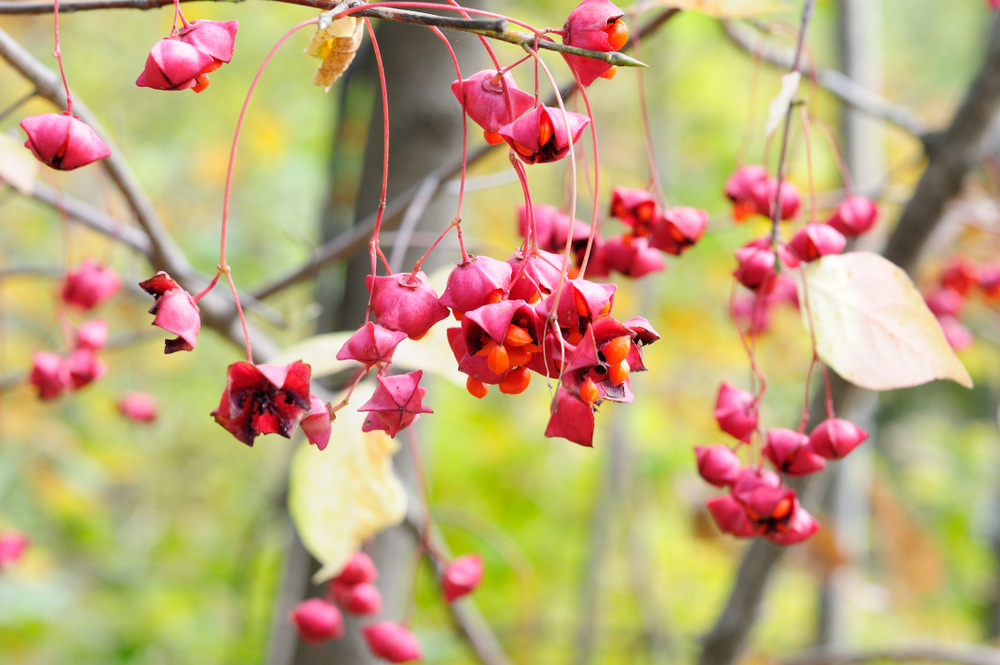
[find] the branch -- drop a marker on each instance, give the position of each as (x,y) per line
(941,182)
(844,87)
(163,252)
(494,28)
(357,237)
(91,217)
(468,619)
(157,245)
(964,653)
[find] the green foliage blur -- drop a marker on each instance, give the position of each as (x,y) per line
(163,543)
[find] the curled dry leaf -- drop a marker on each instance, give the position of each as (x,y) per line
(872,325)
(344,495)
(336,44)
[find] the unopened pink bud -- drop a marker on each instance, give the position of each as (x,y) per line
(317,425)
(735,412)
(317,621)
(361,599)
(730,516)
(12,546)
(173,65)
(814,241)
(789,451)
(462,576)
(854,216)
(89,285)
(63,141)
(718,464)
(392,642)
(764,193)
(359,569)
(137,406)
(834,438)
(92,335)
(49,374)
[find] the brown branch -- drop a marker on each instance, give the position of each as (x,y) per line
(941,182)
(844,87)
(487,27)
(158,246)
(964,654)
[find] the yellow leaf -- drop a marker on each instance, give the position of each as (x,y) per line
(872,326)
(336,44)
(344,495)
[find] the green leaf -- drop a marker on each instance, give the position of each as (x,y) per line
(872,325)
(344,495)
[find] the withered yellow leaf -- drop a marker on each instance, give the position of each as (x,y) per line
(336,44)
(344,495)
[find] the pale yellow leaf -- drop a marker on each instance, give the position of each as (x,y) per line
(778,107)
(872,325)
(727,8)
(18,167)
(344,495)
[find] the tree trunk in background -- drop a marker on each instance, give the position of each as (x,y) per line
(847,503)
(425,131)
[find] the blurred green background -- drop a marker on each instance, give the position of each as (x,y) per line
(164,543)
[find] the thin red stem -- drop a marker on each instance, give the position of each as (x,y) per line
(58,54)
(375,252)
(457,221)
(223,267)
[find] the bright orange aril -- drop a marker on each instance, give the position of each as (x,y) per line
(582,308)
(617,349)
(783,508)
(498,361)
(516,381)
(588,391)
(476,388)
(518,356)
(609,73)
(493,138)
(545,129)
(617,34)
(619,372)
(516,336)
(487,348)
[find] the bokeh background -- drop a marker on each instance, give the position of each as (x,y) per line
(164,543)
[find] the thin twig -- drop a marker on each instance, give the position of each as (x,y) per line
(487,27)
(844,87)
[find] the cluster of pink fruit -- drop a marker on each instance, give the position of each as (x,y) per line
(959,281)
(758,502)
(652,232)
(54,374)
(318,620)
(761,265)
